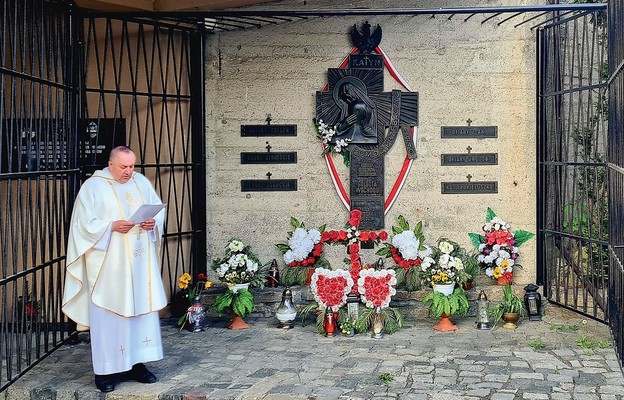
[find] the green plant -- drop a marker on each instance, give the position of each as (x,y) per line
(455,303)
(471,266)
(346,325)
(386,377)
(510,303)
(391,317)
(564,328)
(537,344)
(241,303)
(586,343)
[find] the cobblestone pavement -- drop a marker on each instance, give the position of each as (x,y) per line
(265,362)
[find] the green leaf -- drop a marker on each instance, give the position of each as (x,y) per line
(476,239)
(322,228)
(489,215)
(384,251)
(396,230)
(418,229)
(521,236)
(283,247)
(403,223)
(346,158)
(294,222)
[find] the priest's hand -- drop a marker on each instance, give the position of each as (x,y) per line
(122,226)
(148,224)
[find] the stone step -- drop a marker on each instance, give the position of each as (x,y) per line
(410,304)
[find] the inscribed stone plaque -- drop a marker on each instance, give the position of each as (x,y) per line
(269,158)
(469,132)
(268,130)
(367,187)
(469,159)
(268,185)
(483,187)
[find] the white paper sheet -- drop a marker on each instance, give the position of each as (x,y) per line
(145,212)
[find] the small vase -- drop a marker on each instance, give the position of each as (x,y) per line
(196,315)
(377,327)
(446,290)
(445,324)
(237,323)
(239,286)
(510,320)
(329,322)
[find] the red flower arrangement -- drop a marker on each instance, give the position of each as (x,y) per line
(330,288)
(377,287)
(352,237)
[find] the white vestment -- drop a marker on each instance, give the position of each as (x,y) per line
(113,282)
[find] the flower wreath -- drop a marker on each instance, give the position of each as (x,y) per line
(377,287)
(303,251)
(330,288)
(498,247)
(408,251)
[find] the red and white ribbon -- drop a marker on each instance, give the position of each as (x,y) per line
(407,163)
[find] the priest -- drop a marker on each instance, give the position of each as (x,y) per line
(113,285)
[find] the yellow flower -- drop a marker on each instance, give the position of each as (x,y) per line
(208,285)
(183,284)
(505,264)
(186,277)
(497,272)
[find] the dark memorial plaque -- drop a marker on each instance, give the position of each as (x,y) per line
(268,130)
(483,187)
(469,159)
(97,139)
(269,158)
(268,185)
(469,132)
(369,119)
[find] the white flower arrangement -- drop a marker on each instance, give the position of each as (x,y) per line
(409,246)
(449,267)
(239,265)
(301,244)
(325,133)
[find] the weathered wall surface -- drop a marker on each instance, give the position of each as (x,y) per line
(461,69)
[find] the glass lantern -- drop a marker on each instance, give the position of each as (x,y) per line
(286,312)
(483,308)
(533,302)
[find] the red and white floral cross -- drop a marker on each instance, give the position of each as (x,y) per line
(352,237)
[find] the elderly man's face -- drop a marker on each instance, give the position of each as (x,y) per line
(121,166)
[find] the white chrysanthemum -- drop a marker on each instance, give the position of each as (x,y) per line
(407,244)
(236,245)
(251,265)
(289,257)
(489,272)
(446,247)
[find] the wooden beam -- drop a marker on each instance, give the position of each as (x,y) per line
(203,5)
(116,5)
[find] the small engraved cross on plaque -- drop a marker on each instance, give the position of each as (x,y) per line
(469,121)
(268,119)
(268,175)
(268,147)
(469,149)
(469,177)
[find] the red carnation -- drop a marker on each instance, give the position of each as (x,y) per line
(342,235)
(354,221)
(383,235)
(325,236)
(371,235)
(355,213)
(202,277)
(365,236)
(293,264)
(354,248)
(334,235)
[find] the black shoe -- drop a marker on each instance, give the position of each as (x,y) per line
(106,383)
(141,374)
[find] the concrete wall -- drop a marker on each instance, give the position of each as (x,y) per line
(461,69)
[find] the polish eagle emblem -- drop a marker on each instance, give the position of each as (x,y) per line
(365,41)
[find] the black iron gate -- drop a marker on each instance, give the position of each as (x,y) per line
(573,219)
(74,85)
(38,176)
(615,160)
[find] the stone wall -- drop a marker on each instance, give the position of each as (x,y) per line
(461,69)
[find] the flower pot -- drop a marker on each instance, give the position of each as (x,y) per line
(445,324)
(309,276)
(510,320)
(239,286)
(237,323)
(446,290)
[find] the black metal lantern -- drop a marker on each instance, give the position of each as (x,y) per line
(483,312)
(533,302)
(273,275)
(353,306)
(286,311)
